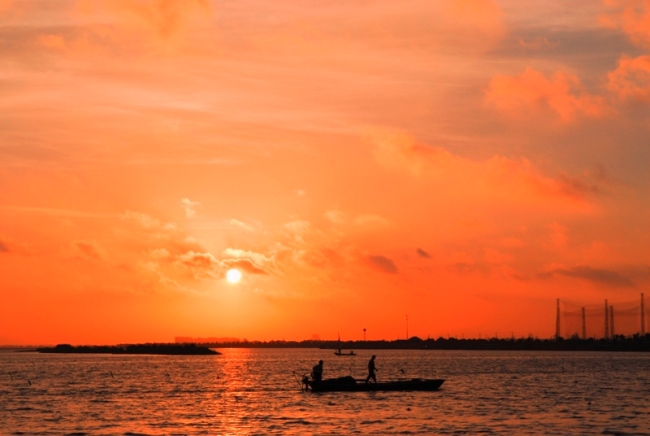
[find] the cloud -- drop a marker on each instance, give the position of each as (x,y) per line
(240,224)
(632,17)
(297,227)
(597,275)
(532,94)
(508,180)
(142,219)
(297,230)
(423,254)
(176,257)
(631,79)
(168,283)
(249,261)
(162,241)
(89,250)
(383,264)
(163,17)
(191,207)
(245,265)
(3,247)
(205,265)
(537,44)
(159,253)
(129,29)
(201,264)
(336,216)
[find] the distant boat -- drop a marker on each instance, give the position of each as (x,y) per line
(350,384)
(339,352)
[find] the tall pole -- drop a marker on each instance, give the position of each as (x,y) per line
(364,334)
(557,321)
(611,321)
(606,321)
(584,324)
(407,327)
(642,316)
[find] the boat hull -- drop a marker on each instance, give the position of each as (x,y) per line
(349,384)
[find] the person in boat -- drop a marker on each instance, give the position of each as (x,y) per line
(371,370)
(317,371)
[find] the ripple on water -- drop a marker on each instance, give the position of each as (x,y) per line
(254,391)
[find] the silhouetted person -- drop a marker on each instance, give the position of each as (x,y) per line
(317,371)
(371,370)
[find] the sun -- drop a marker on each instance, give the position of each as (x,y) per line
(233,275)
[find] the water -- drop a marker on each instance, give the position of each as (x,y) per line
(251,391)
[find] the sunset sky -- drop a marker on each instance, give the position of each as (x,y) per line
(462,162)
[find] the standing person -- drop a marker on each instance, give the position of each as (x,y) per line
(317,371)
(371,370)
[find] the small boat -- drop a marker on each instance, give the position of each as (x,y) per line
(350,384)
(339,352)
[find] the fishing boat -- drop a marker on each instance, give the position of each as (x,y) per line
(350,384)
(340,352)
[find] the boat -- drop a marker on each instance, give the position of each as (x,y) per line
(350,384)
(339,352)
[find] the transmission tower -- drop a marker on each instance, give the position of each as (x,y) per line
(557,321)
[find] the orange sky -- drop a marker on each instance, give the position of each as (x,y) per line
(465,162)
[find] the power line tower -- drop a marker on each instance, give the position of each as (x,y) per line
(642,316)
(557,321)
(606,321)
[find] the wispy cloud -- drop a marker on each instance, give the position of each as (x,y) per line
(500,178)
(191,207)
(600,276)
(68,213)
(164,19)
(532,93)
(630,16)
(383,264)
(240,224)
(249,261)
(631,78)
(89,250)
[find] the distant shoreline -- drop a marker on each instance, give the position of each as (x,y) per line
(636,343)
(618,343)
(161,349)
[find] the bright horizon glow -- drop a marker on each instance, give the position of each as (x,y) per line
(233,276)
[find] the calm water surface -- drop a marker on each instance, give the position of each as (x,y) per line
(251,391)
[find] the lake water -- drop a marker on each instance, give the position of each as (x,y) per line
(256,391)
